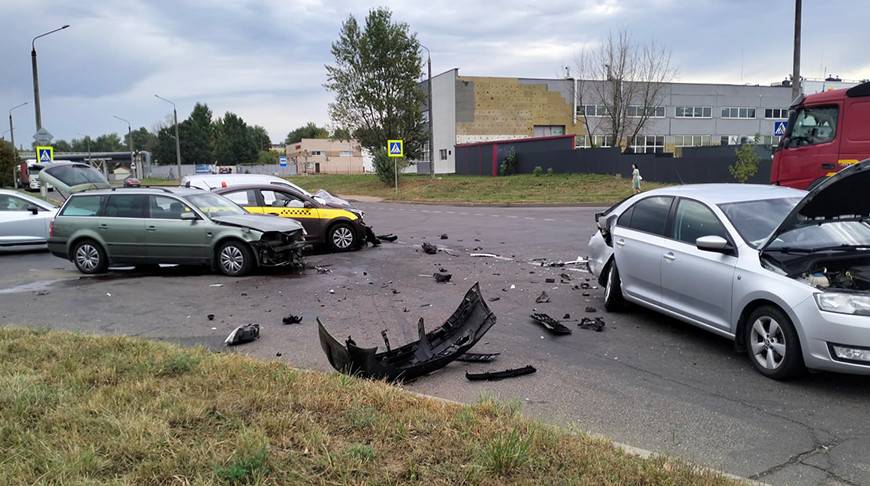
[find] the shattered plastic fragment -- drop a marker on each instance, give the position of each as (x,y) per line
(550,324)
(498,375)
(550,280)
(210,317)
(444,236)
(596,324)
(388,237)
(429,248)
(543,298)
(292,319)
(442,277)
(243,334)
(490,255)
(477,357)
(591,309)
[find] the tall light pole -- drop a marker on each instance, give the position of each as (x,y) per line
(431,118)
(130,145)
(12,136)
(36,76)
(796,60)
(177,142)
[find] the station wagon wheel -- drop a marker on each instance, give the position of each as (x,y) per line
(772,343)
(235,259)
(89,257)
(613,300)
(341,237)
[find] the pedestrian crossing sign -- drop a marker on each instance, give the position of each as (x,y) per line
(779,128)
(45,154)
(395,148)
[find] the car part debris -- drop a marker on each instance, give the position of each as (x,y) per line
(543,298)
(499,375)
(386,340)
(444,236)
(584,285)
(429,248)
(442,277)
(243,334)
(291,319)
(210,317)
(550,324)
(550,280)
(490,255)
(477,357)
(493,299)
(565,276)
(371,238)
(322,269)
(432,351)
(590,309)
(596,324)
(388,237)
(566,316)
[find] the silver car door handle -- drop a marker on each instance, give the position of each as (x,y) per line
(670,256)
(620,242)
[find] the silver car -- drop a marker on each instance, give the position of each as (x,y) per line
(24,219)
(784,273)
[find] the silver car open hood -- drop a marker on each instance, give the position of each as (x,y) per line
(839,197)
(70,177)
(259,222)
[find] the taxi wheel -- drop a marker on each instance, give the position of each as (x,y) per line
(235,259)
(89,257)
(341,237)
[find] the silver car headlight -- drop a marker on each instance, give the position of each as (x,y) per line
(843,303)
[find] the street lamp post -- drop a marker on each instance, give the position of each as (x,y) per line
(431,118)
(177,142)
(12,136)
(130,146)
(36,76)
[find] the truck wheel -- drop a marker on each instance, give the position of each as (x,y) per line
(341,237)
(89,257)
(235,259)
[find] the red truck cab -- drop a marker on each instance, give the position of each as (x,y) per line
(826,132)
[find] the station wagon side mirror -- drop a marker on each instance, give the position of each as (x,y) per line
(714,243)
(188,216)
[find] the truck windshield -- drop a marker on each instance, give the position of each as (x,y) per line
(813,125)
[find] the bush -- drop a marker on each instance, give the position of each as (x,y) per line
(509,165)
(538,171)
(385,168)
(747,161)
(550,171)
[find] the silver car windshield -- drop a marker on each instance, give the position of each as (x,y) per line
(827,235)
(756,220)
(214,205)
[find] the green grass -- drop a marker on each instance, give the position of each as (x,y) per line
(80,409)
(524,188)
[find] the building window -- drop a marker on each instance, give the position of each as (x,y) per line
(738,112)
(648,144)
(592,110)
(637,111)
(693,112)
(317,152)
(692,140)
(769,140)
(776,113)
(595,140)
(443,153)
(345,153)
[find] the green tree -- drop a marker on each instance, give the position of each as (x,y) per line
(144,140)
(308,131)
(164,152)
(8,161)
(62,146)
(747,160)
(374,79)
(233,141)
(197,136)
(261,138)
(386,166)
(110,142)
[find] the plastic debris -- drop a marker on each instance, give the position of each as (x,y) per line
(543,298)
(444,236)
(477,357)
(442,277)
(499,375)
(388,237)
(429,248)
(550,324)
(591,309)
(291,319)
(243,334)
(596,324)
(490,255)
(210,317)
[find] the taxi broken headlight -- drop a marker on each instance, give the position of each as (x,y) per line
(844,303)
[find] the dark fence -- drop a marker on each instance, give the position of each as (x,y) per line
(697,164)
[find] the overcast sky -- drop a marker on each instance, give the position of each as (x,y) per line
(264,60)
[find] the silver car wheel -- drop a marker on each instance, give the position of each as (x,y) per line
(768,343)
(231,259)
(342,237)
(87,257)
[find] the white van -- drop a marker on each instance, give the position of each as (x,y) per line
(212,181)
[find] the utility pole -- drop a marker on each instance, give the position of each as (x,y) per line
(796,64)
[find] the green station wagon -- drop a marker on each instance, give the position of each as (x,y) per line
(122,226)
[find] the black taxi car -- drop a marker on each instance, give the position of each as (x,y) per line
(339,227)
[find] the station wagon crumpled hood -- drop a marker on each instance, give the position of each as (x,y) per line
(259,222)
(71,177)
(839,197)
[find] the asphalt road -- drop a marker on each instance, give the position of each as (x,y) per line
(646,380)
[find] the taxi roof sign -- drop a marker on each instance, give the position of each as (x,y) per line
(395,148)
(45,154)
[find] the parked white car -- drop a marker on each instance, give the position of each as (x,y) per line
(24,219)
(217,181)
(784,273)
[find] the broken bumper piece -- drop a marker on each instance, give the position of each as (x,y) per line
(500,375)
(431,352)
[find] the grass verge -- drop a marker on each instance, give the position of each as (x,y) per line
(79,409)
